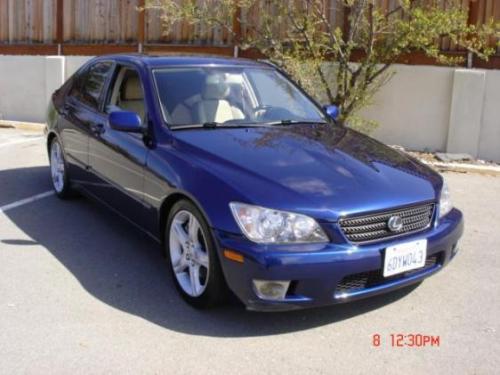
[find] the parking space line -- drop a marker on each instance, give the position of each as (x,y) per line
(11,143)
(24,201)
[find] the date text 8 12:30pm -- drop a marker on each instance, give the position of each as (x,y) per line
(410,340)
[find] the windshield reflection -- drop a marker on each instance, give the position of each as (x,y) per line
(231,96)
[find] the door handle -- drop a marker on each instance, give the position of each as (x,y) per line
(97,129)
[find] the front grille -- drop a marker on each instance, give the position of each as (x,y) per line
(374,227)
(374,278)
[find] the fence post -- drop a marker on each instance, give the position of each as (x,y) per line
(236,28)
(346,27)
(472,20)
(59,26)
(141,24)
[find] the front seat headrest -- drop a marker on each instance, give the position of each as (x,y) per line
(133,89)
(216,87)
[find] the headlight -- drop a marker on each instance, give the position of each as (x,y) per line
(445,204)
(265,225)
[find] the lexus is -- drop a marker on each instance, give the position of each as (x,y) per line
(249,185)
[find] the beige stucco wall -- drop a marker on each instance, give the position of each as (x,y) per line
(73,63)
(489,140)
(27,83)
(22,88)
(413,108)
(421,108)
(440,109)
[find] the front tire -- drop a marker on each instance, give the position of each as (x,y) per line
(59,171)
(191,255)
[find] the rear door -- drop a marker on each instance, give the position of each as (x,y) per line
(80,115)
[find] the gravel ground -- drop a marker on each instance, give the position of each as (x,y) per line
(83,292)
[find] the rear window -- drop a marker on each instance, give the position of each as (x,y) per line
(89,85)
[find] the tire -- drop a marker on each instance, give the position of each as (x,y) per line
(59,171)
(192,258)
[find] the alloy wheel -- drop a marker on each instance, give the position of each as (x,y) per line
(189,253)
(57,167)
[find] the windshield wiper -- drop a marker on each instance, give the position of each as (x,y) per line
(293,122)
(214,125)
(229,124)
(211,124)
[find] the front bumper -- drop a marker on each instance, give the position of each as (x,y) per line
(318,270)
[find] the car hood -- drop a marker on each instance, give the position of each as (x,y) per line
(321,170)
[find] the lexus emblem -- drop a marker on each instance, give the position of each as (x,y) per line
(395,223)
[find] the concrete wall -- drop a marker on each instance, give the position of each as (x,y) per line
(22,88)
(489,141)
(73,63)
(413,109)
(440,109)
(421,108)
(27,83)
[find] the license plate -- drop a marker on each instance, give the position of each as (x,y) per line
(405,257)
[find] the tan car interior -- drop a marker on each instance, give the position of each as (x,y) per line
(128,94)
(211,106)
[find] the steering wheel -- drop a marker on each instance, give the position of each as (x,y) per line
(260,111)
(271,113)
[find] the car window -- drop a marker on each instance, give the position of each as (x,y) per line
(273,90)
(127,93)
(233,95)
(89,85)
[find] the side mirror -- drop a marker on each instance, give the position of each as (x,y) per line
(332,111)
(125,121)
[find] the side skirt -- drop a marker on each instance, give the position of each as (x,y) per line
(95,198)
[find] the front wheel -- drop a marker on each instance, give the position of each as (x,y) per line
(192,257)
(58,171)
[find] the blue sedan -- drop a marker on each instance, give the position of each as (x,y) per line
(250,186)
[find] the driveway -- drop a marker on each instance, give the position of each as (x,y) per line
(81,291)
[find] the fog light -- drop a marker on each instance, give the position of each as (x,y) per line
(271,289)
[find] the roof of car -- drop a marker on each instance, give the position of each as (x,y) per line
(183,59)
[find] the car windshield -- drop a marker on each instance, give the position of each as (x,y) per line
(231,96)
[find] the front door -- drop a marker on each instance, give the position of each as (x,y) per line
(117,159)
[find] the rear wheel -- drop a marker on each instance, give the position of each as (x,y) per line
(58,171)
(192,256)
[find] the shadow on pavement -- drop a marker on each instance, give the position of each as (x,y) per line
(124,268)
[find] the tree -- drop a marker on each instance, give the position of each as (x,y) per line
(299,37)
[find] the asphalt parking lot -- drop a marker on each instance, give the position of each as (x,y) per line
(81,291)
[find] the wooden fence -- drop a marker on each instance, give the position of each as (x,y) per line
(91,27)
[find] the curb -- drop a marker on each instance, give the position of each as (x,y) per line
(465,168)
(28,126)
